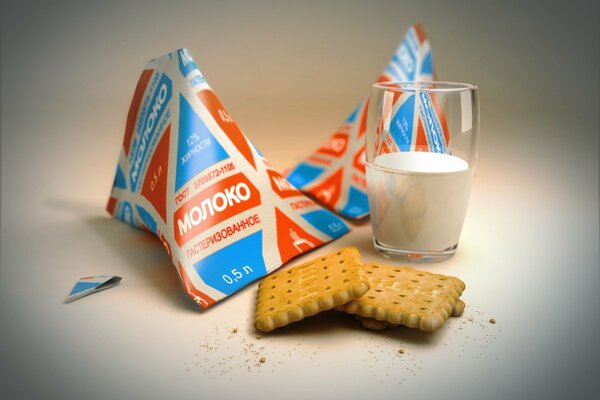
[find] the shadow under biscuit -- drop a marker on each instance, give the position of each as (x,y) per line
(333,322)
(323,323)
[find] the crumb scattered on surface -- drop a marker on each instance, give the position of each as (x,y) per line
(392,356)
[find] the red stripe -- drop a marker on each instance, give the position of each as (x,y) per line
(363,121)
(318,160)
(134,107)
(421,142)
(420,32)
(110,207)
(224,120)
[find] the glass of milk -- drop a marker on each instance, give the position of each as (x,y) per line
(421,151)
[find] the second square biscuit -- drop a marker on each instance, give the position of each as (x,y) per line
(406,296)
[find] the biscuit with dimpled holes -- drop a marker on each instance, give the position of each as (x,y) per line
(407,296)
(307,289)
(374,325)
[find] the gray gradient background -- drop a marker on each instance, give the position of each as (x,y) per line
(289,74)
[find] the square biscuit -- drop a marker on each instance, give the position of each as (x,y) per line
(307,289)
(407,296)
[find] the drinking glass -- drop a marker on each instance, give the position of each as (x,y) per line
(421,152)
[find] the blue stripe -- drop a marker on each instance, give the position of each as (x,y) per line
(358,204)
(304,174)
(83,286)
(326,222)
(401,126)
(427,65)
(432,126)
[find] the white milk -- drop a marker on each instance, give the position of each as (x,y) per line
(418,200)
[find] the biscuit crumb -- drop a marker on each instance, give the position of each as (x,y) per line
(401,351)
(235,330)
(262,360)
(492,321)
(258,337)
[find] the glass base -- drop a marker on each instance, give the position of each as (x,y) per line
(414,256)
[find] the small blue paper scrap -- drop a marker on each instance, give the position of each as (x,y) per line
(92,284)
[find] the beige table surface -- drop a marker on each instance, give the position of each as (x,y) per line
(289,74)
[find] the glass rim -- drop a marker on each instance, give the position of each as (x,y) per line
(425,86)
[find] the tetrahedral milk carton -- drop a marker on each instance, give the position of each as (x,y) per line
(335,173)
(188,174)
